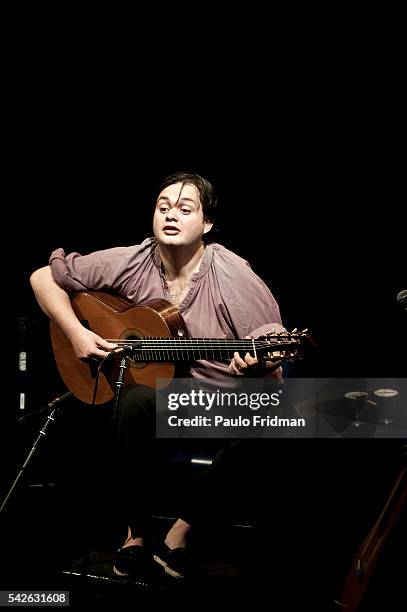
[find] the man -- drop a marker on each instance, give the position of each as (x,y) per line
(218,296)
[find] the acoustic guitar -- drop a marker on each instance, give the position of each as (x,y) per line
(160,348)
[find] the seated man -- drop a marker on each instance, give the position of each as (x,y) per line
(217,294)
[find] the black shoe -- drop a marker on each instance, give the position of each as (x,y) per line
(175,562)
(131,561)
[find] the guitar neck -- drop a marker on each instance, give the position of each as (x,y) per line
(169,349)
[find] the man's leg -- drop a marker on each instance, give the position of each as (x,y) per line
(136,466)
(205,505)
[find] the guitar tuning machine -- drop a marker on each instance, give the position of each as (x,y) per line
(180,333)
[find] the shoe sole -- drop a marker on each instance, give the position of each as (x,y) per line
(119,573)
(167,568)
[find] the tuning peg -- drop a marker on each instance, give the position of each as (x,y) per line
(304,332)
(294,330)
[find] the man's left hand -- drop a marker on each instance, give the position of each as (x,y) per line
(239,366)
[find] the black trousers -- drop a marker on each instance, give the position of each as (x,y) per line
(230,489)
(314,493)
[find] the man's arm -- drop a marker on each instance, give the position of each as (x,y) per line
(56,304)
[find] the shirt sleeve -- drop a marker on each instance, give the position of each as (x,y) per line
(251,308)
(107,269)
(250,305)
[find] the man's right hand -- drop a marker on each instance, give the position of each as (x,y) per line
(88,345)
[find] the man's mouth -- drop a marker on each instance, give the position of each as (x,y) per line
(170,230)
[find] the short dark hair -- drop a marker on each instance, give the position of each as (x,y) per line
(205,189)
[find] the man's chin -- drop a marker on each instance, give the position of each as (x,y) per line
(171,240)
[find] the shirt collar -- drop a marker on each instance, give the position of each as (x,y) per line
(206,260)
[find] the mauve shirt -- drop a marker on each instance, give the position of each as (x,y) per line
(226,299)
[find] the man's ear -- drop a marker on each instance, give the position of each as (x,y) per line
(208,227)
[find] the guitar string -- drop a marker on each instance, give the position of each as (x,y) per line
(201,345)
(203,341)
(179,346)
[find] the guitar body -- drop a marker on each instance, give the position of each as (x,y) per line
(111,316)
(364,563)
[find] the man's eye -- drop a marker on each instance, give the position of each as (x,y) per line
(185,211)
(163,209)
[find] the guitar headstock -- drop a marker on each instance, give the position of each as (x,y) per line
(283,345)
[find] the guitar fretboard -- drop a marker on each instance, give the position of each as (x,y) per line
(189,349)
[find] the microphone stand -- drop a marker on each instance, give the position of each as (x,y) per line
(54,405)
(126,351)
(119,384)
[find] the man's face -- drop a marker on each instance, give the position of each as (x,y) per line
(178,218)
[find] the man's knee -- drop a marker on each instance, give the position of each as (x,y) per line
(136,401)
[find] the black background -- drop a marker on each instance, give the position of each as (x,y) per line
(304,141)
(309,172)
(312,200)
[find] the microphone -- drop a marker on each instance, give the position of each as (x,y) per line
(48,406)
(54,402)
(59,399)
(402,298)
(127,350)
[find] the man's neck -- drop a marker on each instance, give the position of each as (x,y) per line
(181,262)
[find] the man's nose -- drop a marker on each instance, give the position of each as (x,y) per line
(172,213)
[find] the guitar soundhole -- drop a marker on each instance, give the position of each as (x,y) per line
(133,334)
